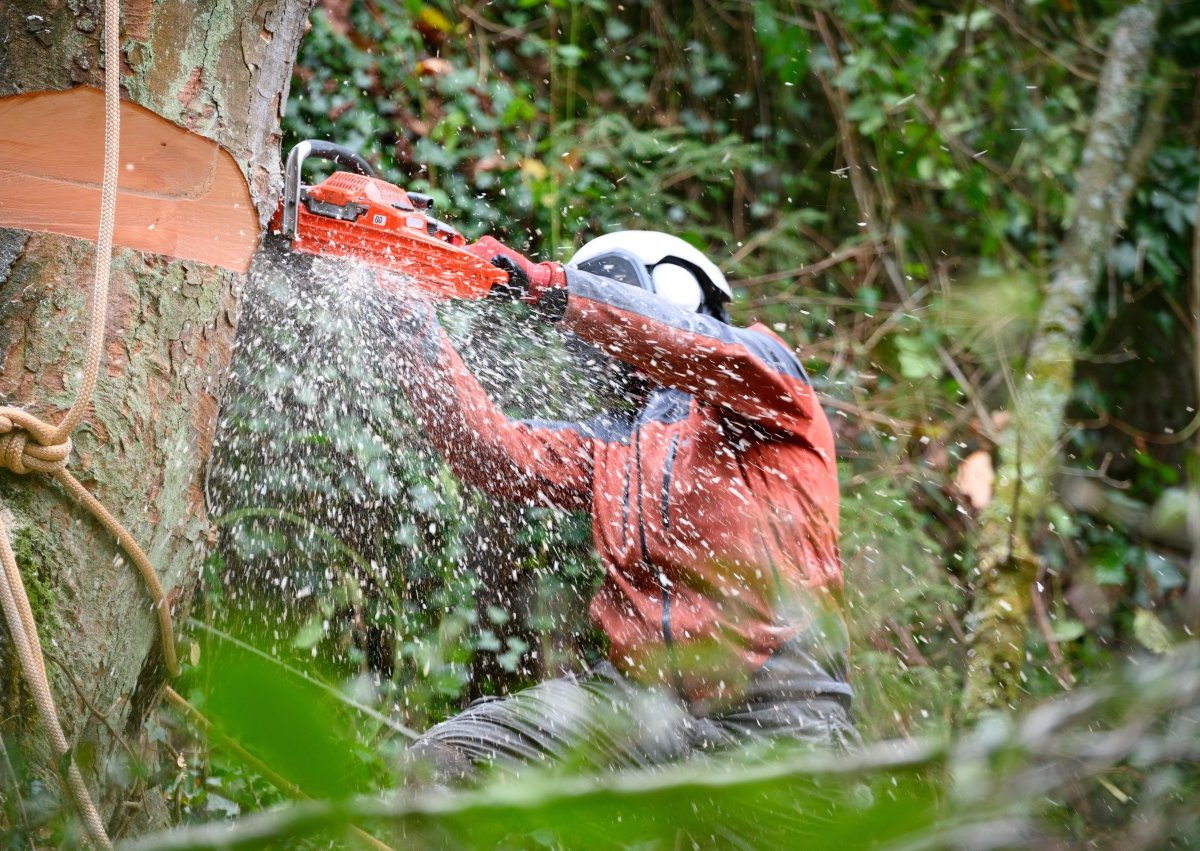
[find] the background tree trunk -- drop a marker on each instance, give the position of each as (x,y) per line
(1029,446)
(219,68)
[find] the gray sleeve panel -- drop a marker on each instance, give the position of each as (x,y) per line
(606,428)
(485,447)
(635,300)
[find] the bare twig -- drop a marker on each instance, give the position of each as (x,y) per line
(499,30)
(198,720)
(1141,152)
(863,194)
(1192,601)
(971,392)
(16,786)
(1064,676)
(1001,11)
(865,414)
(100,716)
(894,318)
(842,256)
(908,645)
(823,300)
(374,714)
(1107,419)
(400,808)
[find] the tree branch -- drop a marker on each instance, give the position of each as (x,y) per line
(1029,448)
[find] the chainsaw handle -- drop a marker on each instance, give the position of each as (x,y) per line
(329,151)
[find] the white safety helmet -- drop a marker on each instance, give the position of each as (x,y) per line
(660,263)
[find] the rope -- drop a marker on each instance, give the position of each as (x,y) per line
(166,628)
(31,445)
(29,651)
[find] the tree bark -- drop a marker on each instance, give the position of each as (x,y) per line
(1192,596)
(219,68)
(1029,446)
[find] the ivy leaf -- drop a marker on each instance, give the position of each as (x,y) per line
(309,634)
(916,361)
(571,55)
(1150,632)
(868,113)
(1163,572)
(1067,629)
(1109,567)
(221,805)
(616,29)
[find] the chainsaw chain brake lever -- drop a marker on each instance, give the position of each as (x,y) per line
(336,154)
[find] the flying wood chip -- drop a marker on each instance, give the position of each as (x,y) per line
(179,193)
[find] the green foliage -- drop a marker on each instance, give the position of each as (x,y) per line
(1053,775)
(252,700)
(899,589)
(547,124)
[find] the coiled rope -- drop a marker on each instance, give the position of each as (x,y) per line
(31,445)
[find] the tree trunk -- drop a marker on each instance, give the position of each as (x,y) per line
(219,68)
(1006,562)
(1192,597)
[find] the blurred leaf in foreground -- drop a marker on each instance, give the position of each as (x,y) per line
(1005,784)
(779,805)
(292,725)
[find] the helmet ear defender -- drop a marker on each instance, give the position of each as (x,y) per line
(677,285)
(712,298)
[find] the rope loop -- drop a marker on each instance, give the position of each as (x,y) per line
(28,444)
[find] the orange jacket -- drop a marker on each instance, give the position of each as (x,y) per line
(714,507)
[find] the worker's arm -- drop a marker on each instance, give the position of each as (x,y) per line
(749,371)
(538,463)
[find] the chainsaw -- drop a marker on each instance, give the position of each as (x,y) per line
(356,215)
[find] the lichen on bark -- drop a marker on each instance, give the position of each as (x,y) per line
(1006,563)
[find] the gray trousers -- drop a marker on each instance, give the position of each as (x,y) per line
(603,721)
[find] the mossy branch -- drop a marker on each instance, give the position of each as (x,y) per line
(1029,448)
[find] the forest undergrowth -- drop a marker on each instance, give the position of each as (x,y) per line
(888,186)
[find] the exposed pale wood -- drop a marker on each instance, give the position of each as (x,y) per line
(180,194)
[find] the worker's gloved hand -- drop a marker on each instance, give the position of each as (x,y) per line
(528,281)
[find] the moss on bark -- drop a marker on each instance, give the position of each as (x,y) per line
(1028,450)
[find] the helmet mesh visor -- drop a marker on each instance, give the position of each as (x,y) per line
(619,268)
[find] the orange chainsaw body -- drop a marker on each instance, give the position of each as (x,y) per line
(366,219)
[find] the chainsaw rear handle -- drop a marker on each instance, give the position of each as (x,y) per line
(336,154)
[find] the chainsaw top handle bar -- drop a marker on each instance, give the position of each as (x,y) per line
(295,162)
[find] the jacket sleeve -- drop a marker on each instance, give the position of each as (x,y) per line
(540,463)
(749,371)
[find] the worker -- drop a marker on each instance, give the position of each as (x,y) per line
(714,509)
